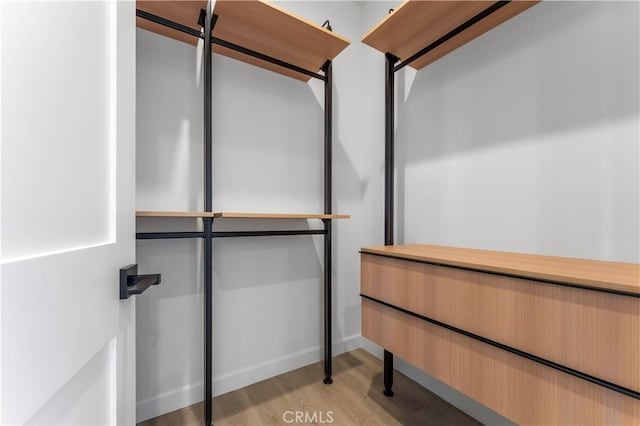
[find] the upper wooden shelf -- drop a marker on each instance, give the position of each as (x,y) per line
(415,24)
(615,276)
(234,215)
(255,25)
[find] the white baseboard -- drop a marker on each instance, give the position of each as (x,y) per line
(371,347)
(168,402)
(188,395)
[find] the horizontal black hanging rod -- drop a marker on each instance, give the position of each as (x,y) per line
(167,235)
(196,33)
(480,16)
(265,58)
(505,274)
(604,383)
(227,234)
(167,23)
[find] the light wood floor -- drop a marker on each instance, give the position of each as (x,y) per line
(354,398)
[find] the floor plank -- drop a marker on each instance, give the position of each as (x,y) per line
(354,398)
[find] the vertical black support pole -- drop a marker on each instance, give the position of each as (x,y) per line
(389,150)
(208,222)
(208,319)
(389,189)
(328,122)
(388,373)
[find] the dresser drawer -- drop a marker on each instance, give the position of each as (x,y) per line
(594,332)
(520,389)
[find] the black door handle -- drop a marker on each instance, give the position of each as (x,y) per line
(131,283)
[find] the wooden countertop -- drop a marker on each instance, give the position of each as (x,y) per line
(617,276)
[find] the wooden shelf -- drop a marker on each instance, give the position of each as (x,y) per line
(173,214)
(235,215)
(182,12)
(592,273)
(255,25)
(416,24)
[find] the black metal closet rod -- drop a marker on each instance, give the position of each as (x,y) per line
(227,234)
(214,40)
(266,58)
(167,23)
(480,16)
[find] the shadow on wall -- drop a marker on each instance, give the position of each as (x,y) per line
(267,141)
(471,138)
(168,340)
(535,82)
(346,180)
(169,131)
(259,261)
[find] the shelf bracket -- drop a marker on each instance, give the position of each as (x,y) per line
(131,283)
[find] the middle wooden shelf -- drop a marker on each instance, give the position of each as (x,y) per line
(240,215)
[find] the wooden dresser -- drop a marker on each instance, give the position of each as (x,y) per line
(539,339)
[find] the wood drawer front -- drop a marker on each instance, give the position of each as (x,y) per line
(521,390)
(593,332)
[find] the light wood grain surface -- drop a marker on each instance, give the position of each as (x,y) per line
(173,214)
(521,390)
(256,25)
(183,12)
(594,273)
(593,332)
(271,30)
(354,398)
(237,215)
(415,24)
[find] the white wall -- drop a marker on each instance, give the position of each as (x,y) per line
(526,140)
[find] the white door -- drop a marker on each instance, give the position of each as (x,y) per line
(67,343)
